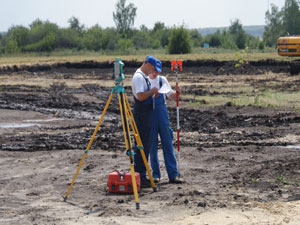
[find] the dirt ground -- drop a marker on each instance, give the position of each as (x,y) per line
(240,164)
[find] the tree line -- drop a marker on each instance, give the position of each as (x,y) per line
(282,22)
(45,36)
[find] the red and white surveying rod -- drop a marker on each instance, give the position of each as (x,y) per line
(174,67)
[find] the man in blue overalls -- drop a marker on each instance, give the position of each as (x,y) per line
(142,111)
(161,126)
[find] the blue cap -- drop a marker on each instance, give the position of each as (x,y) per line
(159,65)
(155,62)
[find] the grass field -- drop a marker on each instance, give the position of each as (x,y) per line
(198,54)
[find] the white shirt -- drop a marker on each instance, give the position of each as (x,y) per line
(138,82)
(155,83)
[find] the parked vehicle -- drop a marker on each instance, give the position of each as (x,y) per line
(289,46)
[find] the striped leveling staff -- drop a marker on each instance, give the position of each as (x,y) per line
(174,67)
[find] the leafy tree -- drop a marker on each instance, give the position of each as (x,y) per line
(238,33)
(41,36)
(47,44)
(141,39)
(241,40)
(291,18)
(20,34)
(144,28)
(214,40)
(162,33)
(39,30)
(227,41)
(253,42)
(261,46)
(92,39)
(158,26)
(196,38)
(235,27)
(11,46)
(75,24)
(155,44)
(180,42)
(164,37)
(273,28)
(68,38)
(124,17)
(125,45)
(35,23)
(110,39)
(282,22)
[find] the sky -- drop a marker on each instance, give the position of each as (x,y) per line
(191,13)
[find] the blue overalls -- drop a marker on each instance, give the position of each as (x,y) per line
(161,126)
(142,113)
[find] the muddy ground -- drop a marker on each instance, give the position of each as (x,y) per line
(234,160)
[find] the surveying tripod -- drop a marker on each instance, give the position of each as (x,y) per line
(126,115)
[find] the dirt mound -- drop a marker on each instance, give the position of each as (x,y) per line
(199,66)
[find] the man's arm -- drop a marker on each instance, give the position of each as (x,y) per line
(142,96)
(173,95)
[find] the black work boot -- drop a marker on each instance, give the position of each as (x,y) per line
(175,180)
(145,183)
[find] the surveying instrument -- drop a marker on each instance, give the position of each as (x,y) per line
(127,118)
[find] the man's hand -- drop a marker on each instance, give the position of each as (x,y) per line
(142,96)
(155,90)
(178,89)
(173,95)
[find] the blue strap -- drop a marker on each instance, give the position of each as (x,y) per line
(160,82)
(147,80)
(160,85)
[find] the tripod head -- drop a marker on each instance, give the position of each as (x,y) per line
(118,75)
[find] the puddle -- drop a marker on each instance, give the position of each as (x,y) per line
(293,146)
(27,123)
(18,125)
(47,120)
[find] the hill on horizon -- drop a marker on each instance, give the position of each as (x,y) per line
(255,30)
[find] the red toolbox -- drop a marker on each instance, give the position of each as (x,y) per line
(121,182)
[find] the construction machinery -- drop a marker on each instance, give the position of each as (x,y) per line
(289,46)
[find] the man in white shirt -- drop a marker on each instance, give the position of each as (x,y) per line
(142,111)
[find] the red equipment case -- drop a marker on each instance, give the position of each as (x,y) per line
(120,182)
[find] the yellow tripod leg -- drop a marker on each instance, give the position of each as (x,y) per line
(128,144)
(134,185)
(88,147)
(139,141)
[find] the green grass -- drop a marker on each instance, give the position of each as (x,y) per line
(281,179)
(268,98)
(138,55)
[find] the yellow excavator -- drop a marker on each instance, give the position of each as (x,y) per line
(289,46)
